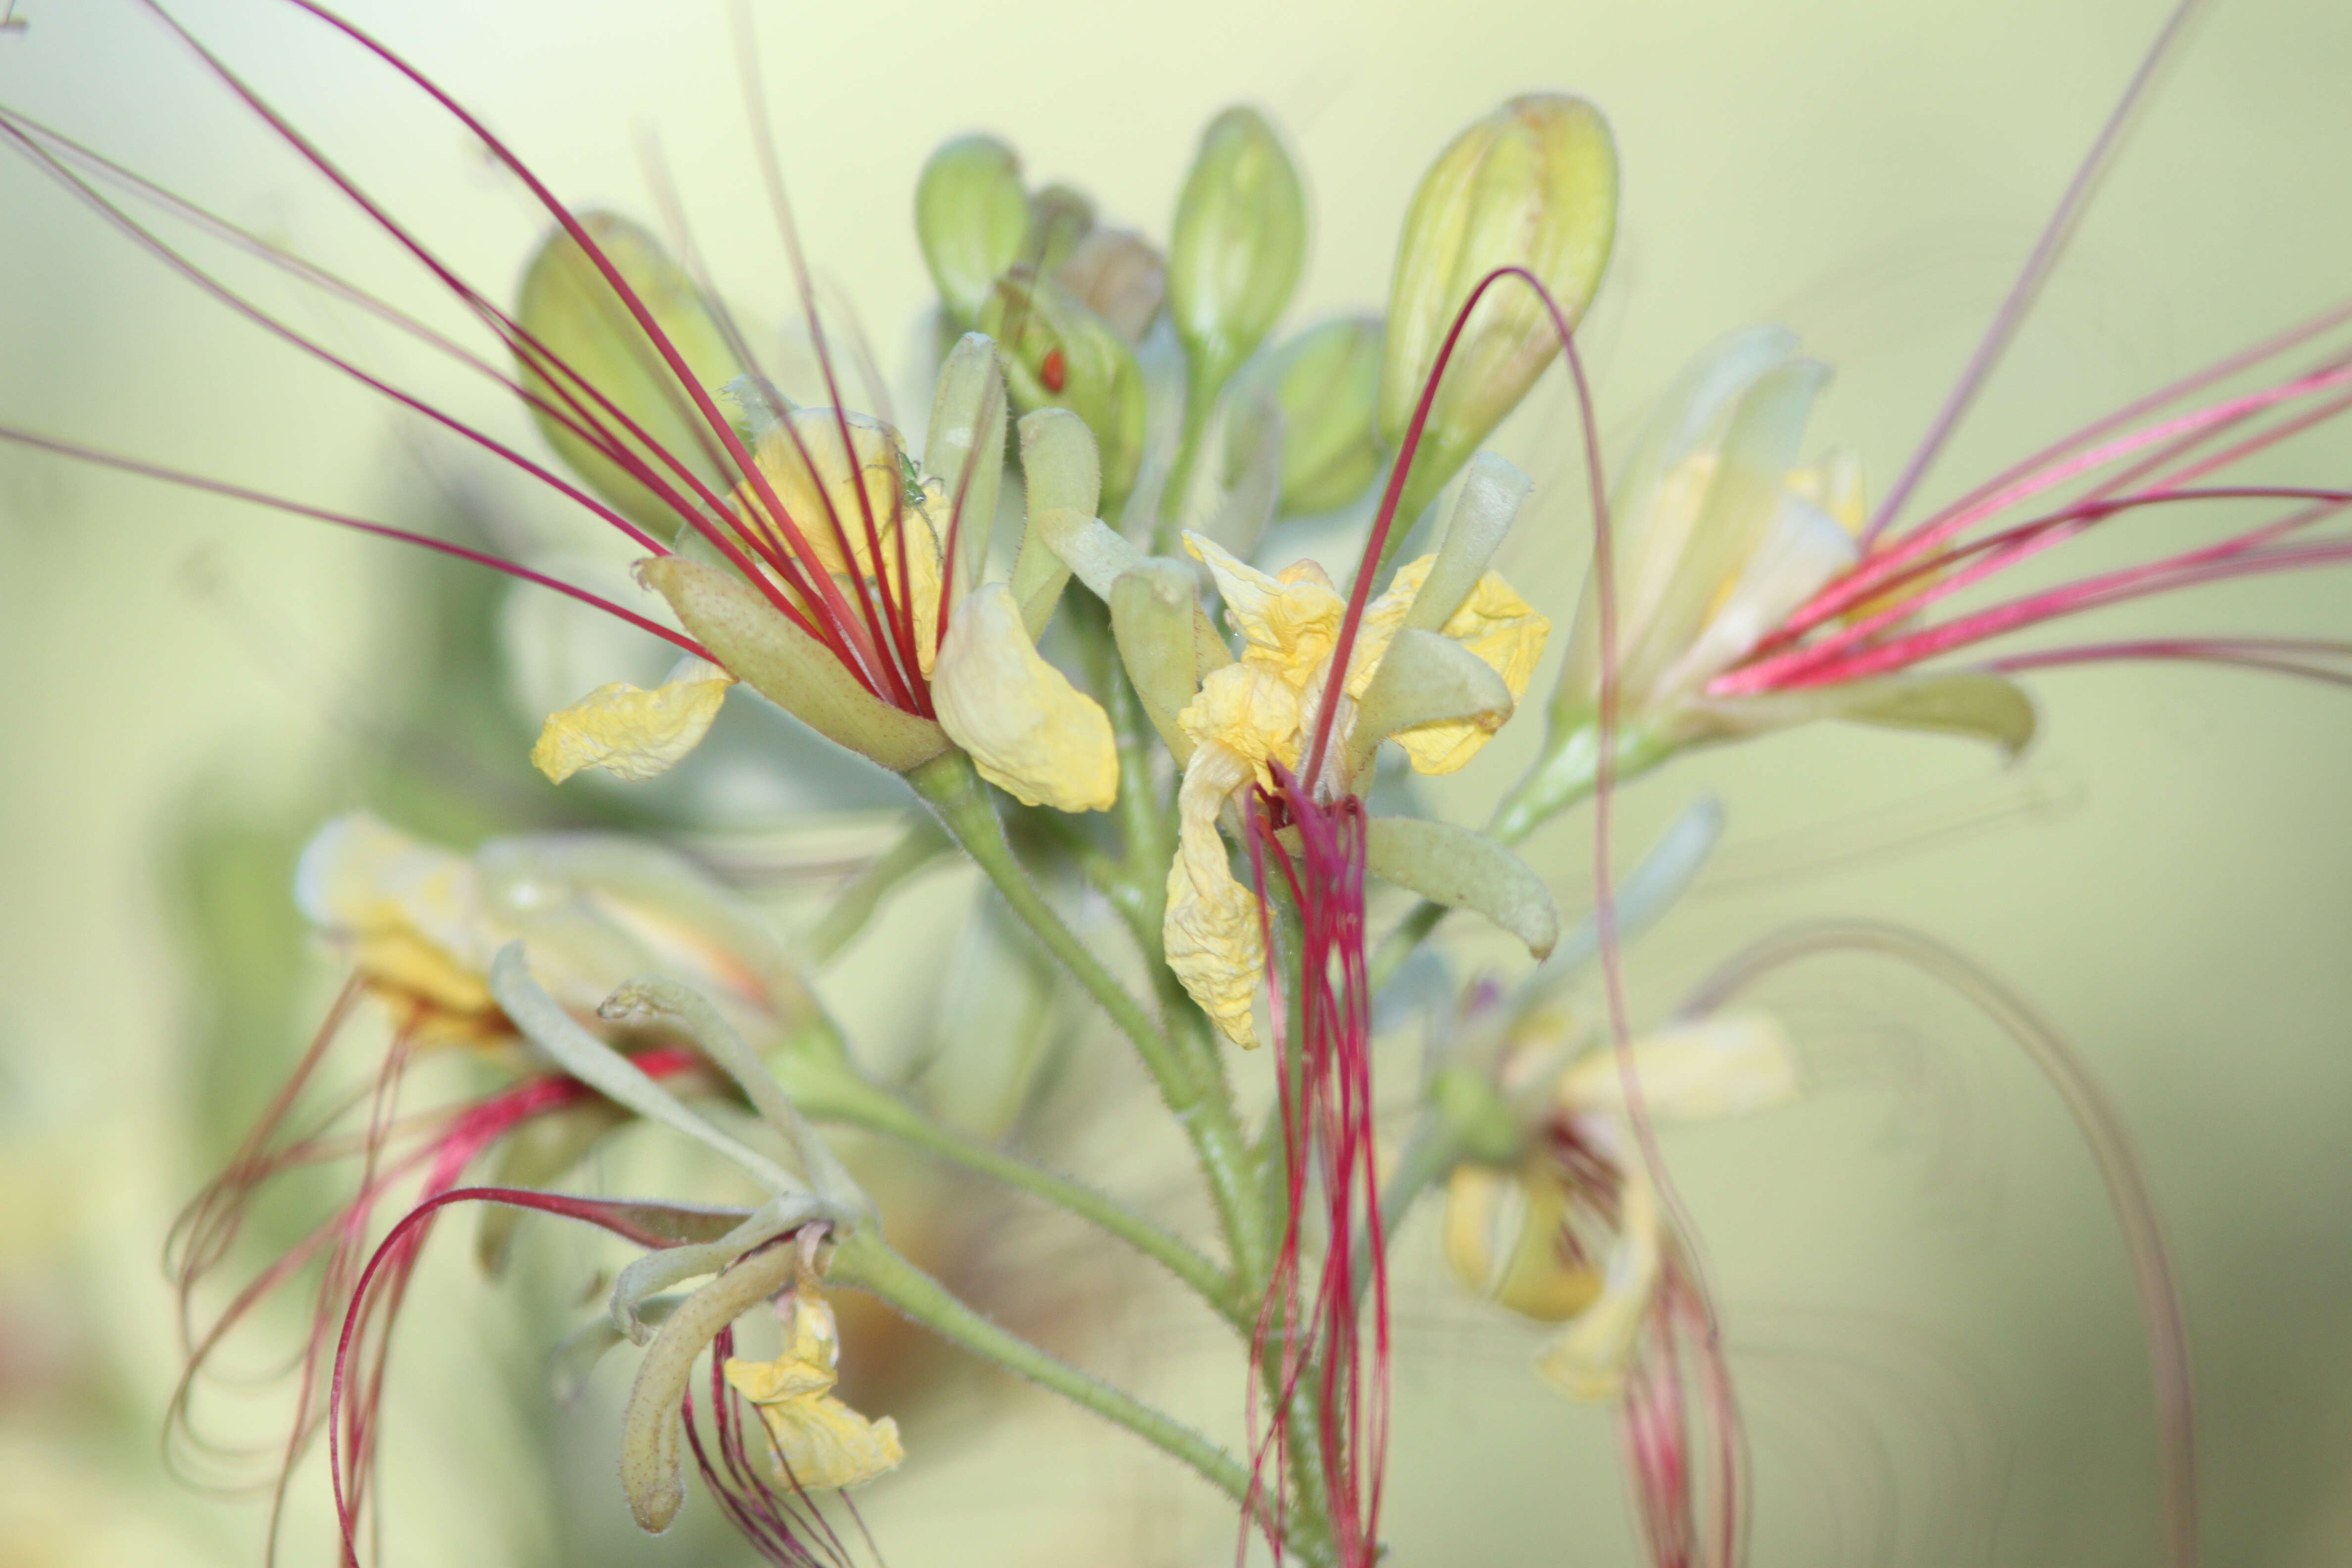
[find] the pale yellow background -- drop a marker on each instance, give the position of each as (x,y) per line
(1928,1305)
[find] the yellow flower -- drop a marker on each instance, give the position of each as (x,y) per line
(1257,710)
(819,1443)
(1574,1235)
(977,682)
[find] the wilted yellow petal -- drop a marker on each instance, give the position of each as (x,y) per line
(1210,932)
(820,1443)
(1028,729)
(1250,708)
(630,732)
(1588,1361)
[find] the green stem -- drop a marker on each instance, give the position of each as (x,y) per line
(954,791)
(834,1093)
(1200,400)
(854,905)
(862,1260)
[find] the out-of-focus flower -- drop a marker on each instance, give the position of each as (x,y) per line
(421,924)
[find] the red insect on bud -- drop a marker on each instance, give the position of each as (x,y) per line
(1055,372)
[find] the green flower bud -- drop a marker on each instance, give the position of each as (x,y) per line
(573,312)
(1238,243)
(972,216)
(1324,381)
(1059,354)
(1533,184)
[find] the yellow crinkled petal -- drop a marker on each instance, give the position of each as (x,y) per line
(630,732)
(1507,635)
(1290,620)
(820,1443)
(1252,710)
(1028,729)
(1588,1361)
(1210,932)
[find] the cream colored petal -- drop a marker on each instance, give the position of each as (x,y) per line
(1028,729)
(1507,635)
(1588,1361)
(1724,1066)
(923,569)
(1210,934)
(630,732)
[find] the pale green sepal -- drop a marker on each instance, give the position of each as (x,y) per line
(1463,869)
(1982,706)
(1236,246)
(966,433)
(1490,498)
(571,311)
(760,647)
(971,214)
(1426,679)
(1063,469)
(1100,557)
(1152,607)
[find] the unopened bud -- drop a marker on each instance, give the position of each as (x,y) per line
(971,214)
(1116,274)
(1534,185)
(1238,243)
(585,332)
(1326,380)
(1059,354)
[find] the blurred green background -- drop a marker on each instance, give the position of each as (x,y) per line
(1926,1300)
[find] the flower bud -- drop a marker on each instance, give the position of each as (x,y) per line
(1324,381)
(1235,250)
(1116,274)
(1059,354)
(572,311)
(1533,184)
(971,217)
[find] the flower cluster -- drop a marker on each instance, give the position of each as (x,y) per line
(1055,626)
